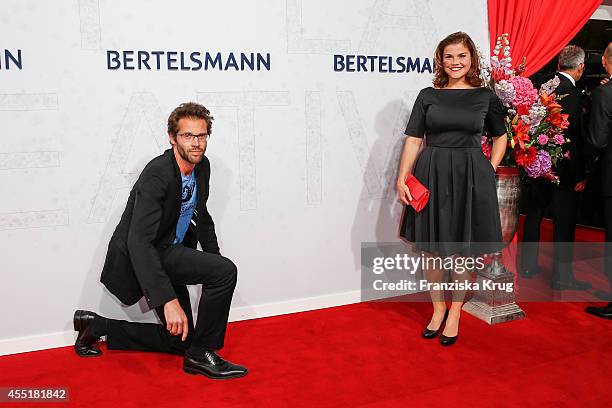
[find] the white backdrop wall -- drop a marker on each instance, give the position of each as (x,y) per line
(303,157)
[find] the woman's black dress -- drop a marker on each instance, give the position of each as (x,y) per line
(462,215)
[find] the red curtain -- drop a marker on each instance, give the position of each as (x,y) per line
(538,29)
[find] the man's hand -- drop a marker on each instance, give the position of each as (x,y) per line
(580,186)
(176,320)
(604,81)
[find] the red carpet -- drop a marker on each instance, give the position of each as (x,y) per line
(368,354)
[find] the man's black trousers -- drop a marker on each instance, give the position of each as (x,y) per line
(185,266)
(608,225)
(563,201)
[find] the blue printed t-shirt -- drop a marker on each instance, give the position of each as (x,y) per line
(188,204)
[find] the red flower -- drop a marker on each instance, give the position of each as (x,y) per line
(547,99)
(520,131)
(550,102)
(524,157)
(558,119)
(523,109)
(499,74)
(555,117)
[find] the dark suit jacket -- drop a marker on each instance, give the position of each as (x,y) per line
(573,170)
(147,227)
(600,131)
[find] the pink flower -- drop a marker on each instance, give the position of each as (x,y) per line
(558,139)
(542,139)
(525,93)
(540,166)
(567,155)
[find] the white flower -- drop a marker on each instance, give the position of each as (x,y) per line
(505,92)
(550,86)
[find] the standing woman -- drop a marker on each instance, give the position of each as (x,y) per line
(462,213)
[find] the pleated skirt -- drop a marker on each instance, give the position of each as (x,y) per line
(462,214)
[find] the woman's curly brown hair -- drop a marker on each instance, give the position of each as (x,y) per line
(190,110)
(473,76)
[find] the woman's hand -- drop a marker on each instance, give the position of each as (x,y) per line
(403,192)
(498,150)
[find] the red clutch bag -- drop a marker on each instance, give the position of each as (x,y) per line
(420,194)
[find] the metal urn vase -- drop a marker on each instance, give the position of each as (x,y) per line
(498,306)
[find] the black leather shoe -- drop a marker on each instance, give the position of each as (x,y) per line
(605,312)
(432,334)
(570,284)
(448,341)
(212,366)
(85,344)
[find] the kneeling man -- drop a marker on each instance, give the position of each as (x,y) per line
(152,253)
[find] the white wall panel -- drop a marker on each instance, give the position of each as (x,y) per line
(303,157)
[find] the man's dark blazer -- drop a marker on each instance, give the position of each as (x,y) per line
(133,266)
(600,131)
(572,171)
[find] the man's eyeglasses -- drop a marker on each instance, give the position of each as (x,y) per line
(191,137)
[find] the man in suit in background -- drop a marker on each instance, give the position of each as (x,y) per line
(153,253)
(563,199)
(600,137)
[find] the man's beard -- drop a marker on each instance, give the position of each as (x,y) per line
(185,155)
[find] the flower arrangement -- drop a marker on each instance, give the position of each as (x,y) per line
(534,120)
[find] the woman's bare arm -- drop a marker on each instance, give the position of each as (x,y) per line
(412,146)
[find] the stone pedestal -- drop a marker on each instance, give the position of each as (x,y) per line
(494,306)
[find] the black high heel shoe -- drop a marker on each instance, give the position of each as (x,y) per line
(432,334)
(448,341)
